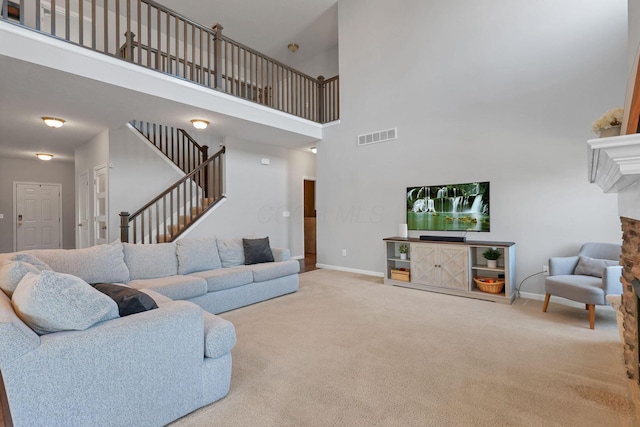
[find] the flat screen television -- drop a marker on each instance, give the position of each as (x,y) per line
(449,207)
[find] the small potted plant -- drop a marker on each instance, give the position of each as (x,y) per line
(403,249)
(609,123)
(492,255)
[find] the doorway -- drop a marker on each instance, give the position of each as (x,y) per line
(309,225)
(83,230)
(37,216)
(101,208)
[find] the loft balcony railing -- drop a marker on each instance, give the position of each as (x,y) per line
(150,35)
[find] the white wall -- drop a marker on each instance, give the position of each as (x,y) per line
(258,195)
(138,173)
(54,172)
(491,90)
(324,64)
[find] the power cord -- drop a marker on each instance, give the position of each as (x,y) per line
(528,277)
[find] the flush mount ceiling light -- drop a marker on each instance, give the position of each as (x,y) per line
(314,150)
(53,122)
(44,156)
(199,123)
(293,47)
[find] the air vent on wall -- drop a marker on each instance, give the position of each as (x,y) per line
(375,137)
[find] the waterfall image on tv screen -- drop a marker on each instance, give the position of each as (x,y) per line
(457,207)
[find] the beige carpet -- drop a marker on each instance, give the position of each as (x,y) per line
(346,350)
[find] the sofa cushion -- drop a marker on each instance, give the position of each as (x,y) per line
(197,255)
(150,261)
(174,287)
(12,272)
(274,270)
(257,251)
(225,278)
(231,252)
(219,335)
(129,300)
(51,302)
(593,266)
(36,262)
(101,263)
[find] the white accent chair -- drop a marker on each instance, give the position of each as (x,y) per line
(586,277)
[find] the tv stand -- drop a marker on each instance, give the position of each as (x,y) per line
(449,267)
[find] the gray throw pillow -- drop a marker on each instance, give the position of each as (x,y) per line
(12,272)
(257,251)
(593,266)
(129,300)
(52,302)
(231,252)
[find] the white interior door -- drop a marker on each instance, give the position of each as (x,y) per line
(101,208)
(83,210)
(38,216)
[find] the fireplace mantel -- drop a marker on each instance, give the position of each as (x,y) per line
(614,162)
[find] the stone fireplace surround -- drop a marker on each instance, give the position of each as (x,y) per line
(614,165)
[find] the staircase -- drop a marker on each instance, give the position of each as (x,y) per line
(175,143)
(178,207)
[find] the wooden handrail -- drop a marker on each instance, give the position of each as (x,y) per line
(187,201)
(173,44)
(170,142)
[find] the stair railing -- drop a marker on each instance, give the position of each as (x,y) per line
(150,35)
(175,143)
(170,213)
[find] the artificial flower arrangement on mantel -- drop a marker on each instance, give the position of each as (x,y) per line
(609,123)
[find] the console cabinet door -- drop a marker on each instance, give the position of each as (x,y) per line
(445,266)
(424,261)
(454,267)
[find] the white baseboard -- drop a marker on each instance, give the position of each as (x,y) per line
(350,270)
(529,295)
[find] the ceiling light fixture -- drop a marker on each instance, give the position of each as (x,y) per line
(44,156)
(314,150)
(293,47)
(53,122)
(199,123)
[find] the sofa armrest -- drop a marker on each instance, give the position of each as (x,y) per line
(281,254)
(611,280)
(559,266)
(219,335)
(16,338)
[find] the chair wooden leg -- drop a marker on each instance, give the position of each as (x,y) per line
(592,315)
(586,306)
(546,302)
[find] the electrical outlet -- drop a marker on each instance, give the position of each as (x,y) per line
(344,252)
(545,269)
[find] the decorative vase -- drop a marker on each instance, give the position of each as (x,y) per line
(403,256)
(612,131)
(492,263)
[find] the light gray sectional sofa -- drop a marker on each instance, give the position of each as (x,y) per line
(145,369)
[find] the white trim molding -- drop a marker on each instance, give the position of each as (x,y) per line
(614,163)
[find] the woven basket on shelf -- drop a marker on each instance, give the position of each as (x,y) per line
(494,287)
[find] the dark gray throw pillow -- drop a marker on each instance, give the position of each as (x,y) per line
(130,301)
(257,251)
